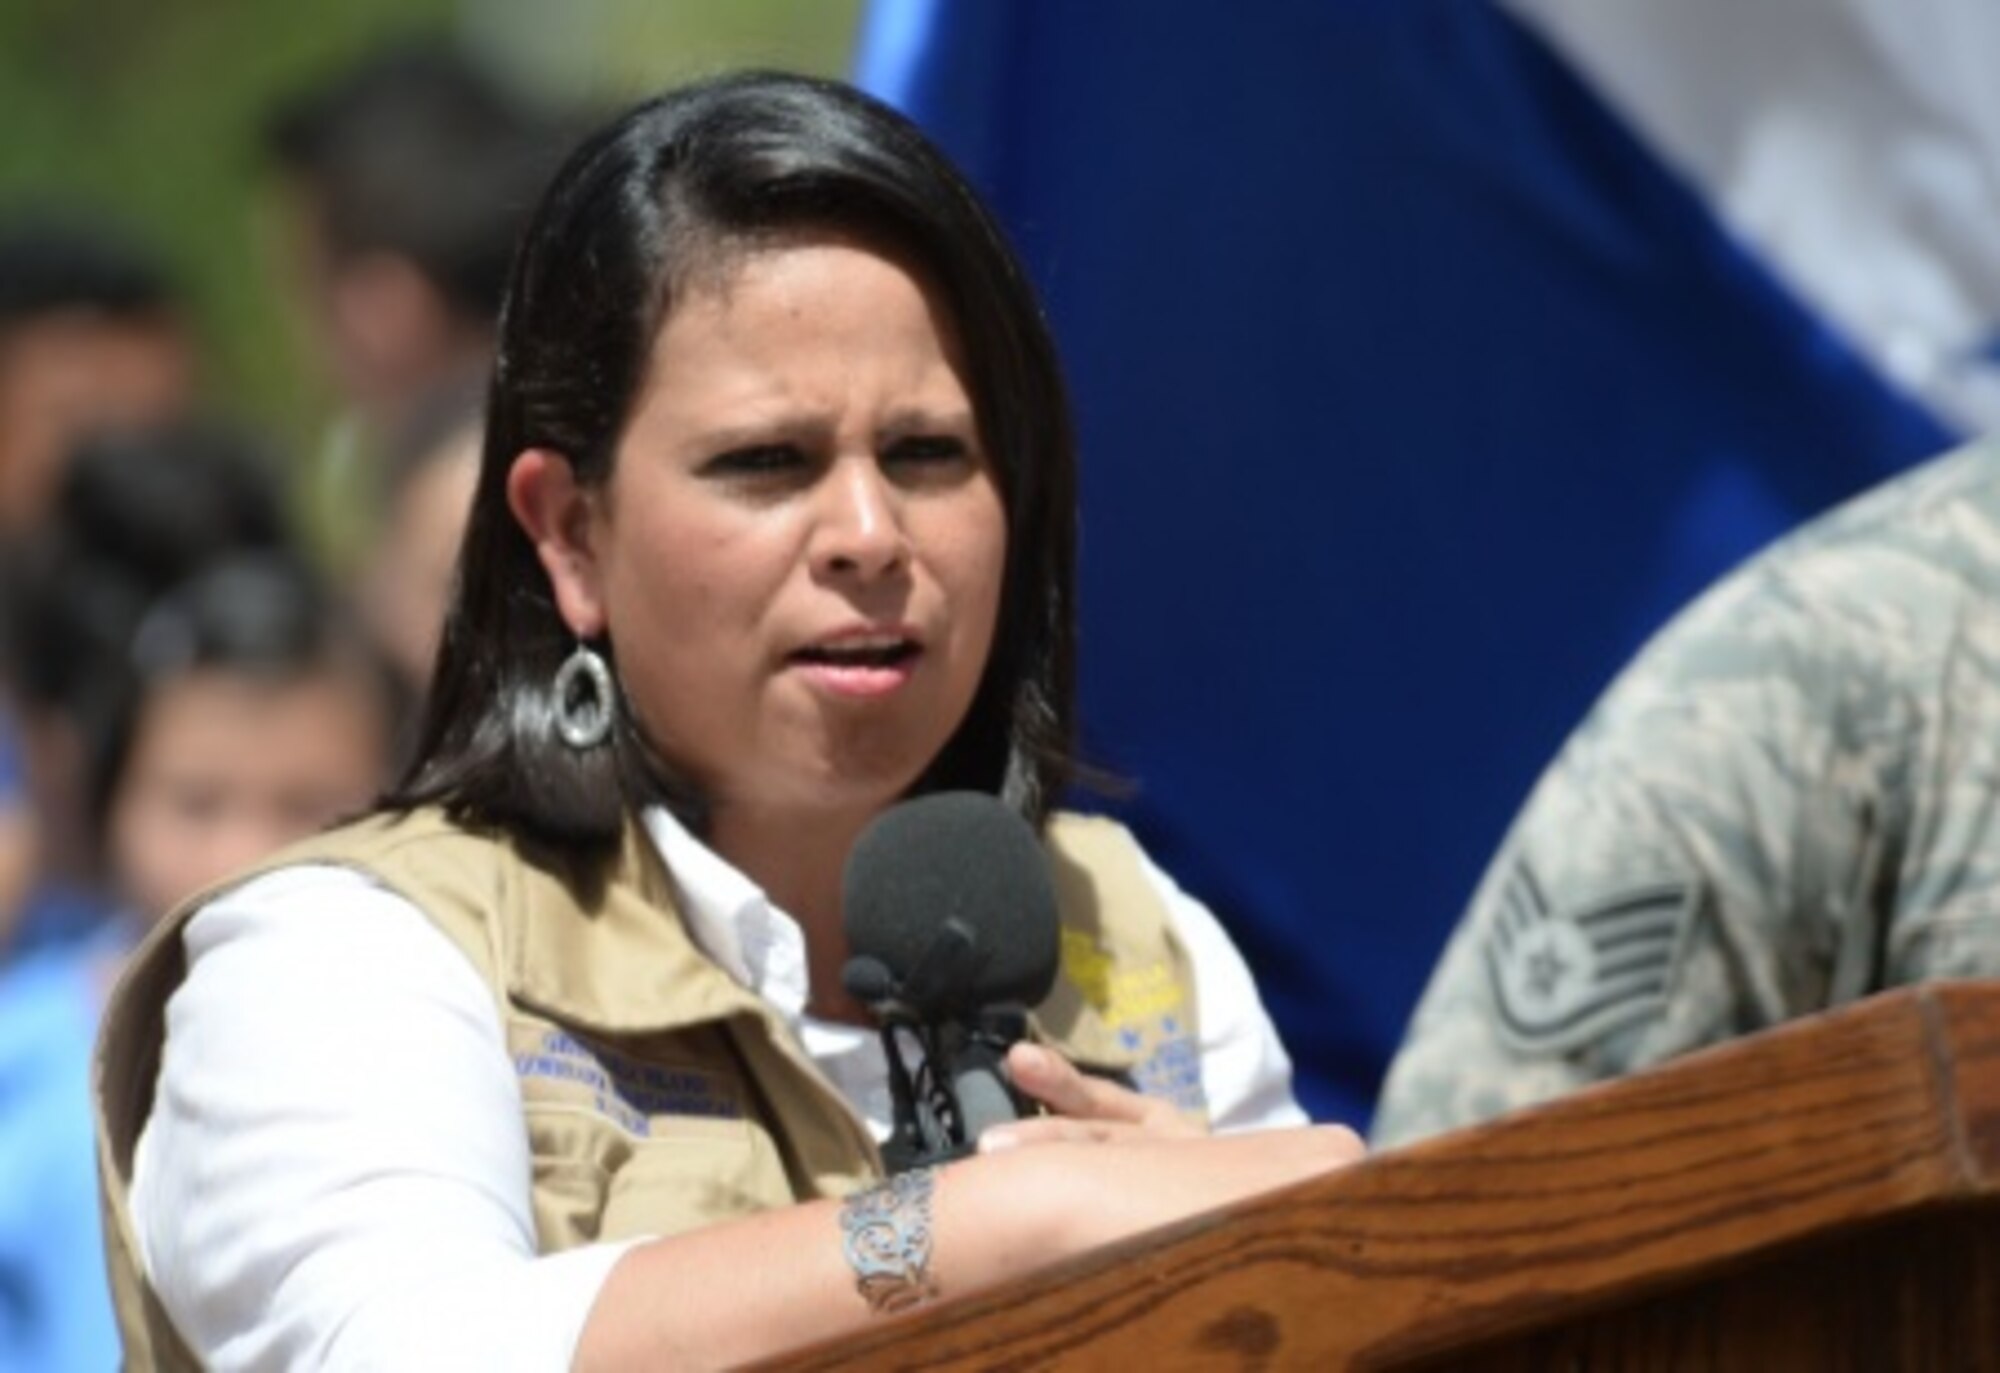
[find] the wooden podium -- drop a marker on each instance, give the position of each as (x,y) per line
(1820,1197)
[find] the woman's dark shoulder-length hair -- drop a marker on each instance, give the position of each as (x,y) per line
(636,213)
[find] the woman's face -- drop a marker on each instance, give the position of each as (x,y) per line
(798,556)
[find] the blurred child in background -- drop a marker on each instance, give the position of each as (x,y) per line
(248,711)
(256,713)
(138,512)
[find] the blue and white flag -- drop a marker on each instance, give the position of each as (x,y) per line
(1427,355)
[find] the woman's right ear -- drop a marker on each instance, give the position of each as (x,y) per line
(559,517)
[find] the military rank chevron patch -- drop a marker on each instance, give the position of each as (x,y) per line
(1563,978)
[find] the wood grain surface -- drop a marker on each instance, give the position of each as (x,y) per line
(1818,1196)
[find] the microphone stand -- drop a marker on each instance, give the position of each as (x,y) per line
(971,1056)
(958,1089)
(922,1131)
(959,1086)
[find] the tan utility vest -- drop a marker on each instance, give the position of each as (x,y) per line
(660,1095)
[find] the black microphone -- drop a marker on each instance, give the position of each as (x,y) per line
(952,929)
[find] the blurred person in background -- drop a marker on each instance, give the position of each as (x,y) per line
(405,178)
(91,339)
(406,575)
(248,711)
(255,713)
(138,511)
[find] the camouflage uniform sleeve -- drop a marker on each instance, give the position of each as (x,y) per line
(1682,873)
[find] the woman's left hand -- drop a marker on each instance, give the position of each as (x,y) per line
(1085,1108)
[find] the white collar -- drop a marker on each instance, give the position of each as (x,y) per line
(732,919)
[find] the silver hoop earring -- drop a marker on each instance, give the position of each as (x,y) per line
(583,699)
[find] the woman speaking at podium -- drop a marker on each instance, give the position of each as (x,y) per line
(548,1063)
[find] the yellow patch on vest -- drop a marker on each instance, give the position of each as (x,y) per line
(1122,996)
(1146,1009)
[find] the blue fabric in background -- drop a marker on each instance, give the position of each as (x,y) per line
(55,1308)
(1414,392)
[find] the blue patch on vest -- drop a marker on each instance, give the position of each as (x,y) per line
(630,1091)
(1173,1070)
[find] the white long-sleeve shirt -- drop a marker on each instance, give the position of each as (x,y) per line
(335,1174)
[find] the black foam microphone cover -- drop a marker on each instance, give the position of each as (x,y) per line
(950,896)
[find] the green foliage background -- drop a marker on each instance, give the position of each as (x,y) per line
(149,111)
